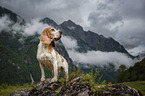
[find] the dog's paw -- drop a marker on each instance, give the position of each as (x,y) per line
(42,79)
(54,80)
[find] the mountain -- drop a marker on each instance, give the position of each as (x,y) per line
(18,53)
(91,41)
(134,73)
(88,40)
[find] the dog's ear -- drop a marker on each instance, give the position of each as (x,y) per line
(52,44)
(44,37)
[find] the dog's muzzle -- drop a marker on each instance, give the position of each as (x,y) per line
(58,37)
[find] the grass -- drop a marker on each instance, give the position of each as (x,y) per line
(138,85)
(5,89)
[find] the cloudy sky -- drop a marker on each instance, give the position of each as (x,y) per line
(124,20)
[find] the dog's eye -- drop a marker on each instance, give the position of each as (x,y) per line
(52,30)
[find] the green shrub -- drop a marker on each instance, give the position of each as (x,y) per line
(96,85)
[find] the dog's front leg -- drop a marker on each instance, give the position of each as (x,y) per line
(42,72)
(55,72)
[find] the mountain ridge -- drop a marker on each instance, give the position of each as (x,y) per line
(93,39)
(69,28)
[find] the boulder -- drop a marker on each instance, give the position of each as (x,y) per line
(121,90)
(75,87)
(21,92)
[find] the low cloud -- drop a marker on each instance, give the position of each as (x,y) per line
(137,50)
(69,42)
(34,26)
(98,58)
(27,29)
(5,22)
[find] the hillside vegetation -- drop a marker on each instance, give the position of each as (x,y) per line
(138,85)
(17,70)
(134,73)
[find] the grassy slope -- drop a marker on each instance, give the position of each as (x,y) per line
(5,90)
(138,85)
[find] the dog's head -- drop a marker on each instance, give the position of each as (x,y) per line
(49,35)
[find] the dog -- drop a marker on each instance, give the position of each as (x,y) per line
(48,57)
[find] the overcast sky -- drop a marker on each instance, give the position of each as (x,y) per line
(124,20)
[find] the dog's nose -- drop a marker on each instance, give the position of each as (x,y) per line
(60,32)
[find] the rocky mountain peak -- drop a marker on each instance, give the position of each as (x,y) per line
(49,21)
(69,22)
(71,26)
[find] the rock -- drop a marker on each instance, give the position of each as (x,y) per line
(45,88)
(21,92)
(75,87)
(85,93)
(121,90)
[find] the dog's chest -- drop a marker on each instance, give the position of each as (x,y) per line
(46,55)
